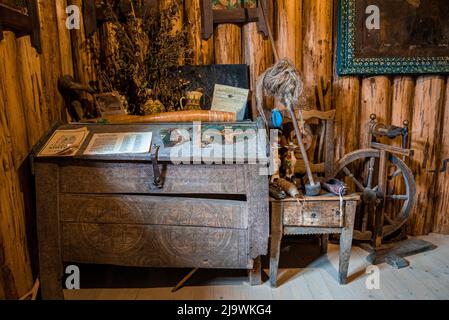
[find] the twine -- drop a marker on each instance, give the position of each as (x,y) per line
(281,81)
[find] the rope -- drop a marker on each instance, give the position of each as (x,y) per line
(281,81)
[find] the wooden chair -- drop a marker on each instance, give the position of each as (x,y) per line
(321,215)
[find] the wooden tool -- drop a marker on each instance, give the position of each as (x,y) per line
(178,116)
(184,280)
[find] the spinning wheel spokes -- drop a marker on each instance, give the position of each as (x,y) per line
(361,170)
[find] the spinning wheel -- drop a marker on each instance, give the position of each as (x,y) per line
(394,199)
(385,182)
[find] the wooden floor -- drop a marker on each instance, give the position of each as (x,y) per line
(304,274)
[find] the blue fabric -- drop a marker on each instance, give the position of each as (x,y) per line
(276,118)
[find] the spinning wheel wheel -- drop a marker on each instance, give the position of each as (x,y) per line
(393,201)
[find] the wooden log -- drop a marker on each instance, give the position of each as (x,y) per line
(428,110)
(317,48)
(228,44)
(376,98)
(176,116)
(202,51)
(441,224)
(82,51)
(403,93)
(258,55)
(65,45)
(15,271)
(346,100)
(13,109)
(288,30)
(51,60)
(30,79)
(346,93)
(402,100)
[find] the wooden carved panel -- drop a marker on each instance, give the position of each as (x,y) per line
(154,246)
(138,178)
(153,210)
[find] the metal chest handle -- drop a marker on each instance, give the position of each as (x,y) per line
(156,172)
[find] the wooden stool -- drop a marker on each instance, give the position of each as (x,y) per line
(313,215)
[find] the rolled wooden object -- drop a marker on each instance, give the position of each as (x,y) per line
(178,116)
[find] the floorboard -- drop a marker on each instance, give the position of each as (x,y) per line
(304,274)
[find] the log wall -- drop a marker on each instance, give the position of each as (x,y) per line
(304,31)
(29,104)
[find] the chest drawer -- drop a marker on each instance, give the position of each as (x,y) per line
(313,214)
(137,178)
(153,210)
(155,246)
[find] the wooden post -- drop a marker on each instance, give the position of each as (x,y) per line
(317,51)
(441,224)
(51,59)
(15,270)
(65,45)
(202,51)
(228,44)
(83,58)
(288,30)
(346,101)
(14,110)
(402,100)
(258,55)
(30,80)
(428,111)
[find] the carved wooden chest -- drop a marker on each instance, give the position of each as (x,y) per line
(107,209)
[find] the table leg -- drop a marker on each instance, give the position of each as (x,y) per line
(346,242)
(276,237)
(324,243)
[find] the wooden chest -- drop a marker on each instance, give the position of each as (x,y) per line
(106,210)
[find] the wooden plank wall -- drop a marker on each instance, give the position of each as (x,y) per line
(29,104)
(304,31)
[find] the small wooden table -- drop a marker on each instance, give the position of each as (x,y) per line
(313,215)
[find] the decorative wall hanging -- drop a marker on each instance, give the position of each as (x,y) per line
(393,36)
(232,11)
(21,17)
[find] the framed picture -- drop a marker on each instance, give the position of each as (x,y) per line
(393,37)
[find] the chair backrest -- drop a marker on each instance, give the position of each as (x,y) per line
(328,117)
